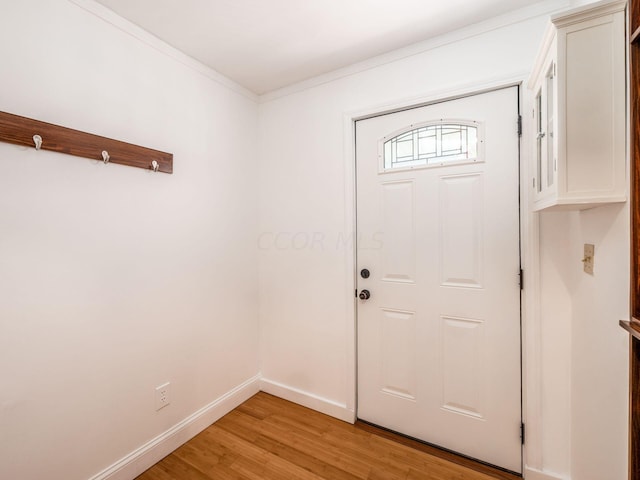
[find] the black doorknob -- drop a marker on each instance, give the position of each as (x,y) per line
(364,295)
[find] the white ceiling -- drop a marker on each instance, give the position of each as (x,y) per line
(268,44)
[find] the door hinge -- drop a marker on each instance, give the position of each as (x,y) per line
(522,433)
(519,125)
(521,279)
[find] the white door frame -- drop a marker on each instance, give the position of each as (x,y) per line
(529,228)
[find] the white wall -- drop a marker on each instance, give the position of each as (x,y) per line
(306,288)
(599,404)
(556,288)
(113,279)
(585,352)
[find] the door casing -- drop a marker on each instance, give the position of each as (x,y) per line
(529,228)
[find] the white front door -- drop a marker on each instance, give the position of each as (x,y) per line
(438,229)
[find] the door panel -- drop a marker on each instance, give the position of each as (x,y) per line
(439,339)
(398,353)
(461,230)
(462,371)
(398,223)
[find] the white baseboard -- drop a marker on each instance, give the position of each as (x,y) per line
(155,450)
(152,452)
(531,474)
(309,400)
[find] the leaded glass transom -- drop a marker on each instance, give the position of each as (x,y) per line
(432,144)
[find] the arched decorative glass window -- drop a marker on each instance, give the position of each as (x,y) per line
(432,144)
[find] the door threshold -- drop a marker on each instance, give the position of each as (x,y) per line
(443,453)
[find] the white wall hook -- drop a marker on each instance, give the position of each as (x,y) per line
(105,157)
(37,139)
(155,165)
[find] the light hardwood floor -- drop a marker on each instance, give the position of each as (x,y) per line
(270,438)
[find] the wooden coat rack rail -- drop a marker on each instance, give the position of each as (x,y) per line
(46,136)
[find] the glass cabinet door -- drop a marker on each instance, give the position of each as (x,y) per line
(544,118)
(550,114)
(539,137)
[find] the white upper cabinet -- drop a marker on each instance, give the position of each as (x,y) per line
(578,87)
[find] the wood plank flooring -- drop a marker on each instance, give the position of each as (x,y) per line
(272,439)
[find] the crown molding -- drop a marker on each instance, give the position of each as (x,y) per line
(588,12)
(546,7)
(112,18)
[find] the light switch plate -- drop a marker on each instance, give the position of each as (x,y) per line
(587,259)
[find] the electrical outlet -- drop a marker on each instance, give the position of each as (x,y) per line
(162,396)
